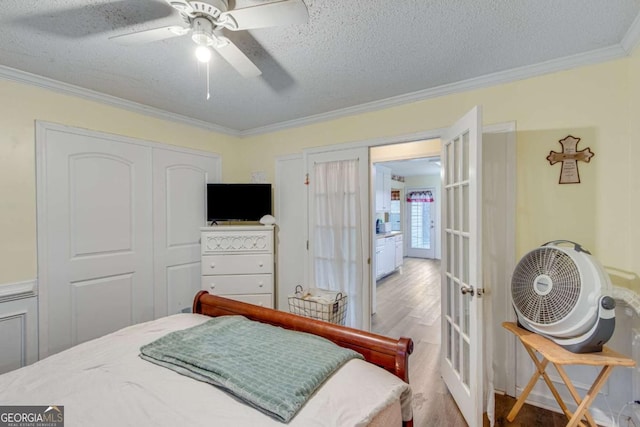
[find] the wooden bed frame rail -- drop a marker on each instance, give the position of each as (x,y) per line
(388,353)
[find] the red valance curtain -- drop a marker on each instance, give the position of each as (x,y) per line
(423,196)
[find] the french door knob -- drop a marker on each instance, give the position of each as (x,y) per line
(467,290)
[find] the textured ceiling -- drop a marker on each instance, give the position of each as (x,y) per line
(351,52)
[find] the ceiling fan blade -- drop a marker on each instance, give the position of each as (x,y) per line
(237,59)
(287,12)
(90,18)
(148,36)
(181,6)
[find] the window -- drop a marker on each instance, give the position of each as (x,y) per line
(420,211)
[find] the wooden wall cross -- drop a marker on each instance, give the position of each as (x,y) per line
(569,157)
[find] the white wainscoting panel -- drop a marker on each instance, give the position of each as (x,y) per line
(18,332)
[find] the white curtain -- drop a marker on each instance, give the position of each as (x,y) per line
(337,233)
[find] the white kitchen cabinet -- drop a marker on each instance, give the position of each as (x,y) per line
(238,263)
(383,189)
(389,253)
(399,251)
(389,259)
(379,258)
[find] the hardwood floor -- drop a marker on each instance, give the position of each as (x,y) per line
(408,304)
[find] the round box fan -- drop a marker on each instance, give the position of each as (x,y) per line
(563,293)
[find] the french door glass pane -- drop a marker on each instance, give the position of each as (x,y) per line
(450,291)
(456,350)
(456,162)
(465,208)
(449,339)
(465,362)
(450,160)
(456,259)
(465,260)
(456,208)
(465,156)
(420,225)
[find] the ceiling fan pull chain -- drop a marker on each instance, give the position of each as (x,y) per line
(208,92)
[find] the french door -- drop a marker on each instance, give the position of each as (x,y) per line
(462,317)
(421,223)
(338,228)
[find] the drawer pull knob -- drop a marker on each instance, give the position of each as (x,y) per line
(260,264)
(212,286)
(260,284)
(212,265)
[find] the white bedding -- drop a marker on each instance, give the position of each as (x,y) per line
(104,383)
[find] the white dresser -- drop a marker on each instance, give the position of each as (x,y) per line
(238,262)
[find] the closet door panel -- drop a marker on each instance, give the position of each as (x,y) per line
(95,221)
(179,185)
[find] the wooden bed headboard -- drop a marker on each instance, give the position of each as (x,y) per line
(388,353)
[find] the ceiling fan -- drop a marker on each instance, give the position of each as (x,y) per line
(205,20)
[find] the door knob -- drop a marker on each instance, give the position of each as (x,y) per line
(467,290)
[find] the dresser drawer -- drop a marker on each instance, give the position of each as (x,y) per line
(238,284)
(247,264)
(237,241)
(263,300)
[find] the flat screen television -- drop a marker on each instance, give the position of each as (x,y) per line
(238,202)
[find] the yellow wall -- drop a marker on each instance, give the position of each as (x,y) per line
(633,157)
(23,104)
(598,103)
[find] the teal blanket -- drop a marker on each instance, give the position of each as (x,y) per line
(273,369)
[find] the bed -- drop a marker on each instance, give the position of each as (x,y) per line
(105,382)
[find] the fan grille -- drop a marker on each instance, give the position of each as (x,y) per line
(564,276)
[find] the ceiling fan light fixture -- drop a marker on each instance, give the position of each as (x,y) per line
(203,53)
(202,32)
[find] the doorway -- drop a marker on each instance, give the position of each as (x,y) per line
(415,165)
(500,248)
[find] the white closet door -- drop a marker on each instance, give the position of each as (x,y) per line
(94,235)
(179,190)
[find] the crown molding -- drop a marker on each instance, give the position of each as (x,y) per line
(629,42)
(91,95)
(520,73)
(631,39)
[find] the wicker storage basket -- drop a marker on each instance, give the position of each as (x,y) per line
(321,304)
